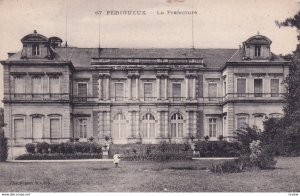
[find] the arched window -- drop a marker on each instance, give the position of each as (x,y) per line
(119,126)
(148,123)
(177,125)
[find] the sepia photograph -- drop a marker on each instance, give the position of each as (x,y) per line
(140,96)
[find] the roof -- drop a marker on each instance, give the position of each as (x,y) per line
(81,57)
(239,57)
(258,39)
(34,37)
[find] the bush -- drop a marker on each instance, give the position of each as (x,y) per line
(42,147)
(3,147)
(227,167)
(58,156)
(217,148)
(54,148)
(30,148)
(157,157)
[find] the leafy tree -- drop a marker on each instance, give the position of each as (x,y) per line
(288,129)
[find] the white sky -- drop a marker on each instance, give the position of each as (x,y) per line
(217,24)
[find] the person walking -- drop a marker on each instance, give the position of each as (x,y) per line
(116,159)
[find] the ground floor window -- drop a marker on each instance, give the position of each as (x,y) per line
(177,125)
(19,129)
(212,124)
(119,126)
(82,125)
(37,127)
(241,122)
(55,130)
(148,123)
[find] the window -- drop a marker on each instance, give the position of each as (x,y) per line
(212,127)
(257,50)
(19,87)
(119,91)
(119,126)
(148,91)
(241,122)
(36,87)
(258,87)
(148,122)
(258,122)
(54,86)
(274,87)
(212,91)
(177,125)
(82,91)
(82,125)
(241,87)
(19,130)
(190,88)
(37,128)
(35,50)
(55,131)
(176,91)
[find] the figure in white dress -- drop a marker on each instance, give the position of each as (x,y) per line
(116,159)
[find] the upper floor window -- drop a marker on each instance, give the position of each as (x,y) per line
(19,87)
(258,87)
(212,91)
(148,91)
(274,87)
(119,91)
(176,91)
(36,86)
(257,51)
(241,87)
(54,86)
(212,127)
(82,90)
(35,50)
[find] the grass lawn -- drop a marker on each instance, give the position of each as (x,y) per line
(180,176)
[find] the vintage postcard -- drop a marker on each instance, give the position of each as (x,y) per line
(145,96)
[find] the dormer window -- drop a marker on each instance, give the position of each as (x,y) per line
(35,50)
(257,50)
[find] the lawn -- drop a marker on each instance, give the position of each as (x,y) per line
(175,176)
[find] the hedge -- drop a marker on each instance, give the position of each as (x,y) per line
(64,148)
(157,157)
(58,156)
(218,148)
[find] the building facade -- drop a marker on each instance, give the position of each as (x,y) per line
(53,93)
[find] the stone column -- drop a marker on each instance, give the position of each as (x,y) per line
(186,87)
(167,124)
(166,88)
(100,80)
(194,88)
(158,88)
(159,134)
(195,124)
(129,87)
(138,134)
(137,88)
(187,124)
(107,88)
(108,124)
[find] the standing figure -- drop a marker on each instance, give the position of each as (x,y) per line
(116,159)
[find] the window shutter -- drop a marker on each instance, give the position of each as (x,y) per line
(148,91)
(241,86)
(275,87)
(176,90)
(82,90)
(119,91)
(55,128)
(95,84)
(200,86)
(212,90)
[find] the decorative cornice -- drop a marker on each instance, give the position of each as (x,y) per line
(275,75)
(241,74)
(81,79)
(258,74)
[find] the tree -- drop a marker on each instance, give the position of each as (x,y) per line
(290,123)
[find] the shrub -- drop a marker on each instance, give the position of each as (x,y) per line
(227,167)
(30,148)
(260,157)
(58,156)
(217,148)
(3,147)
(54,148)
(42,147)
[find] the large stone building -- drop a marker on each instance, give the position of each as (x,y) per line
(53,93)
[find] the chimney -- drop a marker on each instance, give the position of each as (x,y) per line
(10,54)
